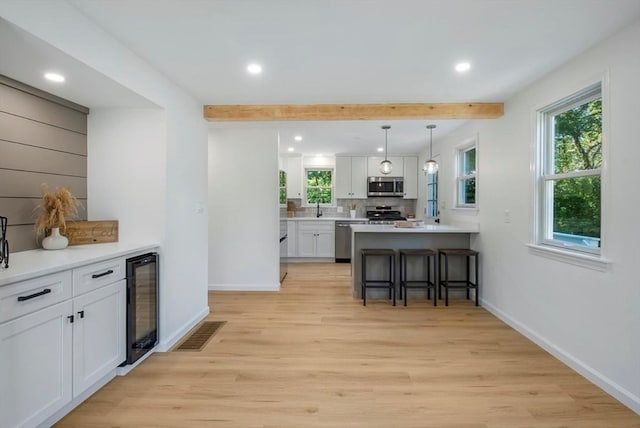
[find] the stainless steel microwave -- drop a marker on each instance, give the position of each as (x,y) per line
(385,186)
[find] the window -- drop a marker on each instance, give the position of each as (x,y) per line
(466,176)
(432,195)
(569,178)
(318,186)
(283,187)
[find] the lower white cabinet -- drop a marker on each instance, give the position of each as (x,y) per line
(36,366)
(99,334)
(316,239)
(54,345)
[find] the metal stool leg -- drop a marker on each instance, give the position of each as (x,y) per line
(477,280)
(364,280)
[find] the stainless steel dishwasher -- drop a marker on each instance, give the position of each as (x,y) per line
(343,240)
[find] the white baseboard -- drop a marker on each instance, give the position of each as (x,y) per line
(621,394)
(244,287)
(167,343)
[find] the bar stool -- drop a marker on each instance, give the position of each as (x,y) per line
(428,257)
(388,282)
(445,282)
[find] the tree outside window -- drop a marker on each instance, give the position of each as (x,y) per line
(319,186)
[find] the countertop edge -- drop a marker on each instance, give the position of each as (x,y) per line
(25,265)
(326,219)
(367,228)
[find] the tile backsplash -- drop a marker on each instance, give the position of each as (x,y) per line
(406,206)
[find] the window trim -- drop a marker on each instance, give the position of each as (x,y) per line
(568,253)
(434,201)
(466,145)
(305,202)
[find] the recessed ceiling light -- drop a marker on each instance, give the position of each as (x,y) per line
(298,138)
(461,67)
(381,149)
(254,68)
(290,149)
(54,77)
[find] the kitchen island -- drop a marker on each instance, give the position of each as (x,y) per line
(432,236)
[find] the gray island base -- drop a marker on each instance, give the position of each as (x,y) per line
(391,237)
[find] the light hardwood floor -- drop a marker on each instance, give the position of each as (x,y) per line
(311,356)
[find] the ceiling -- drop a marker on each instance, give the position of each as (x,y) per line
(356,51)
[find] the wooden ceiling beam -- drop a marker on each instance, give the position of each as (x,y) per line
(353,111)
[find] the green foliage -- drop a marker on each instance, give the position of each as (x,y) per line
(578,147)
(283,187)
(319,186)
(578,138)
(576,206)
(469,191)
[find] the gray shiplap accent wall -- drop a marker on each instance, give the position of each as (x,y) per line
(43,139)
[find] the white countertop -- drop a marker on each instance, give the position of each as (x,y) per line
(429,228)
(25,265)
(323,218)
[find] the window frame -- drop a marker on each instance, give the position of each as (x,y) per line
(460,177)
(431,205)
(306,202)
(544,176)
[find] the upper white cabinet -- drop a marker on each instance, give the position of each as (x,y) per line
(294,177)
(410,177)
(373,166)
(351,177)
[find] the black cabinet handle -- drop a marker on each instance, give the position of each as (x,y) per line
(81,314)
(31,296)
(98,275)
(70,318)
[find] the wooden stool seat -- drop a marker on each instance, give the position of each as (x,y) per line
(428,282)
(388,282)
(444,281)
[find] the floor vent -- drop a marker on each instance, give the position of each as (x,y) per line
(199,338)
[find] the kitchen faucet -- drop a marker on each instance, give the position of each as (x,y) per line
(318,212)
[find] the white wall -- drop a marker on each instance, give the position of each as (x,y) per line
(128,188)
(183,234)
(587,318)
(243,210)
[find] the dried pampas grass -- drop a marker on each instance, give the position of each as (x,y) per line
(55,208)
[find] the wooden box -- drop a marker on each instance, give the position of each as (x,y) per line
(91,232)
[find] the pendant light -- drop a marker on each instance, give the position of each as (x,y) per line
(385,165)
(430,166)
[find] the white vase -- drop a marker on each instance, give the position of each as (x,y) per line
(352,213)
(55,241)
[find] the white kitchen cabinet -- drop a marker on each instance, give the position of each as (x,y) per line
(294,178)
(60,334)
(35,373)
(292,240)
(351,177)
(410,164)
(373,166)
(316,239)
(99,334)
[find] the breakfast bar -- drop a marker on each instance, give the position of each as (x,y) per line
(390,237)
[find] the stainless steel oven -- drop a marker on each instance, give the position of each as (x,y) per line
(385,186)
(142,305)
